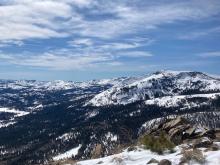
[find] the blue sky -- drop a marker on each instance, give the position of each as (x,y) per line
(92,39)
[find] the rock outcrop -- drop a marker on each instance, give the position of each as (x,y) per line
(179,130)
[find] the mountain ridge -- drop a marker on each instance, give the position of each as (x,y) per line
(158,84)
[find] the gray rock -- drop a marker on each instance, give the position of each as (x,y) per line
(178,129)
(132,148)
(190,131)
(165,162)
(202,143)
(209,133)
(117,161)
(192,155)
(174,123)
(100,162)
(153,161)
(176,133)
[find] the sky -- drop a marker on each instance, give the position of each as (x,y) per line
(92,39)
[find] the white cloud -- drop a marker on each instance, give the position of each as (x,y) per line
(25,19)
(135,54)
(131,19)
(6,57)
(80,3)
(113,49)
(103,46)
(33,19)
(201,33)
(210,54)
(69,59)
(6,43)
(81,42)
(57,60)
(119,46)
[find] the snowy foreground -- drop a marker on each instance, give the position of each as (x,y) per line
(142,157)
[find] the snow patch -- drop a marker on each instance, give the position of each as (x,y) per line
(71,153)
(14,111)
(2,124)
(175,101)
(111,137)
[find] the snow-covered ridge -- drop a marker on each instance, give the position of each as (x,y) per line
(63,85)
(158,84)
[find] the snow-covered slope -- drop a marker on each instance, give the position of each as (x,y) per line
(184,101)
(159,84)
(141,157)
(14,114)
(68,154)
(13,111)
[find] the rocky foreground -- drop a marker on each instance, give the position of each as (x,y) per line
(194,144)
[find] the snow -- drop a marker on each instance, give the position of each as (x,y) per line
(92,114)
(212,157)
(71,153)
(108,81)
(111,137)
(39,106)
(65,137)
(117,81)
(137,157)
(151,124)
(58,85)
(175,101)
(16,113)
(68,136)
(2,125)
(141,157)
(36,107)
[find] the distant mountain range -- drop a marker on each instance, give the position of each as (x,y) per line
(43,121)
